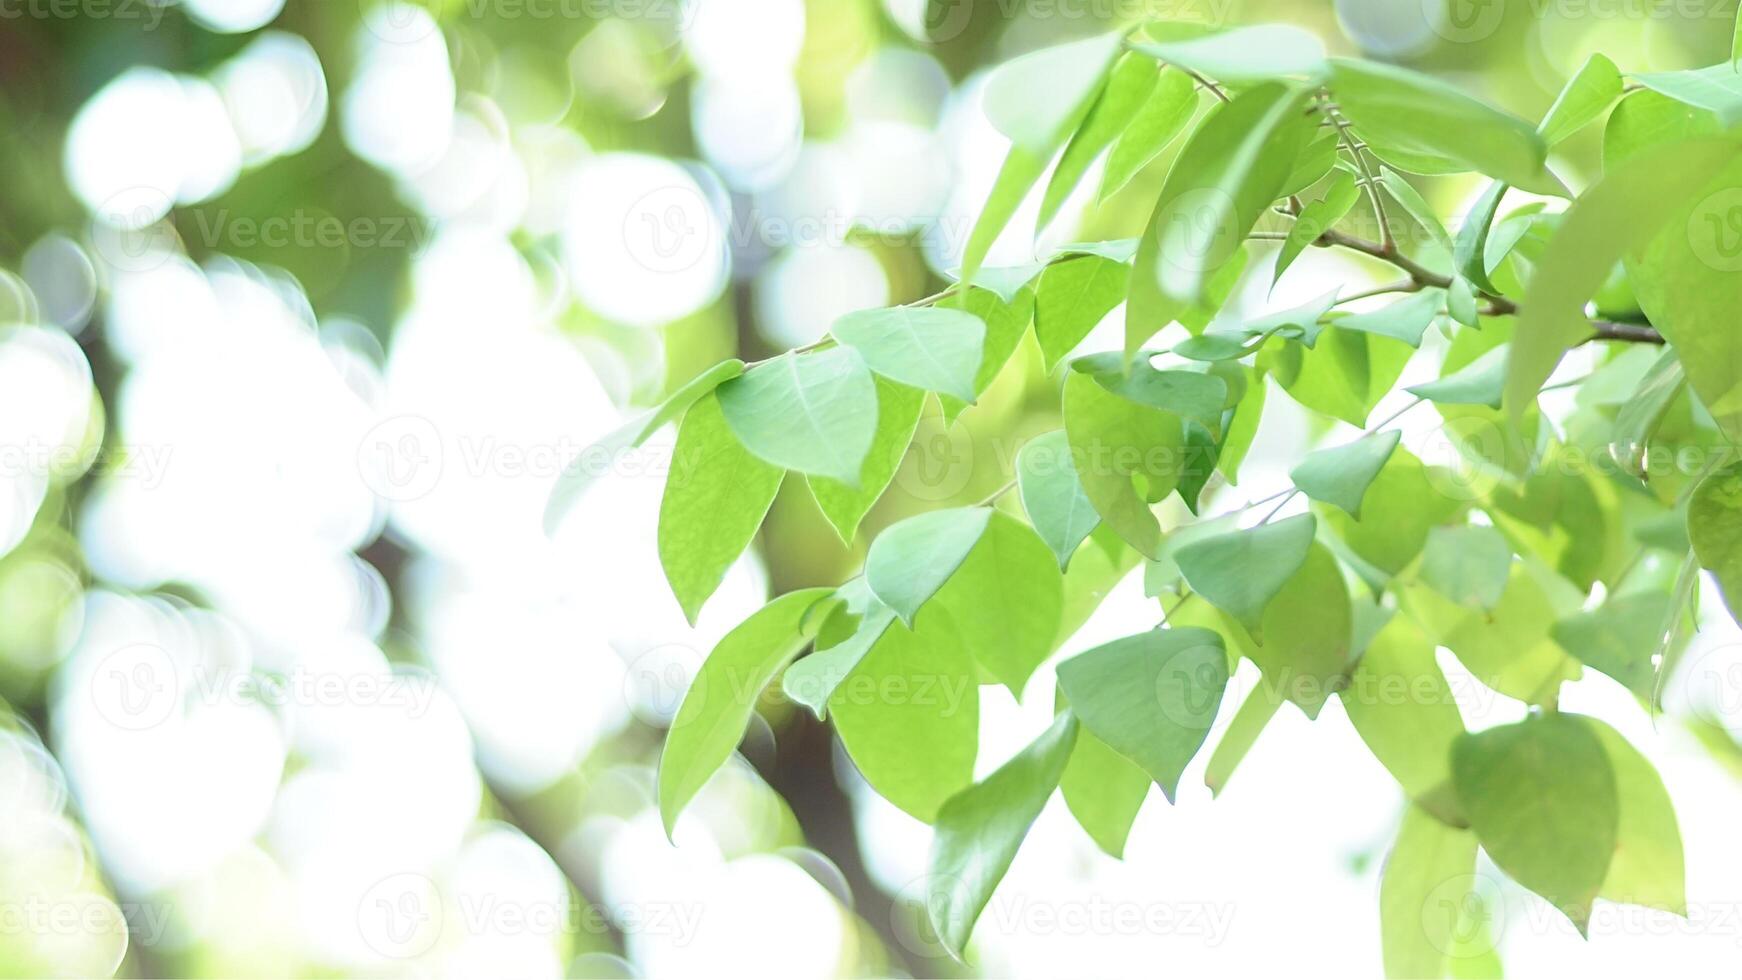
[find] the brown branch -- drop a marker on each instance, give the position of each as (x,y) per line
(1635,333)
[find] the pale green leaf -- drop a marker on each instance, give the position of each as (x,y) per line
(812,680)
(1316,218)
(909,714)
(1637,421)
(1647,868)
(1052,495)
(898,412)
(1242,733)
(1245,54)
(717,707)
(1157,124)
(1715,88)
(1591,90)
(1227,174)
(1402,707)
(1303,319)
(1617,214)
(1541,797)
(1480,382)
(1619,638)
(578,476)
(1151,697)
(1406,319)
(1469,248)
(1343,377)
(980,830)
(1006,600)
(1020,172)
(1071,298)
(1418,123)
(1240,572)
(1424,888)
(1715,529)
(1104,791)
(1128,87)
(912,559)
(1340,475)
(1400,505)
(1112,440)
(1404,193)
(1468,565)
(929,347)
(1038,99)
(815,413)
(1307,632)
(715,498)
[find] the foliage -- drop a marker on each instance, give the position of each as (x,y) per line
(1525,559)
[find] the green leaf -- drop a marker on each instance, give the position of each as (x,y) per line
(928,347)
(1618,638)
(1541,797)
(1072,297)
(1715,88)
(1424,887)
(1423,125)
(578,476)
(1157,124)
(1227,174)
(1616,214)
(1006,599)
(1244,54)
(1340,475)
(1317,159)
(1591,90)
(1509,648)
(715,498)
(912,559)
(1113,439)
(1093,572)
(980,830)
(1304,318)
(1404,193)
(1481,382)
(1685,279)
(1317,218)
(1242,733)
(1307,629)
(1406,320)
(1647,868)
(1469,246)
(898,411)
(717,707)
(1187,394)
(1038,99)
(1020,172)
(1402,707)
(812,680)
(1468,565)
(815,413)
(1240,572)
(1400,505)
(909,715)
(1006,321)
(1151,697)
(1344,376)
(1715,530)
(1053,497)
(1128,87)
(1638,419)
(1242,430)
(1214,347)
(1104,791)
